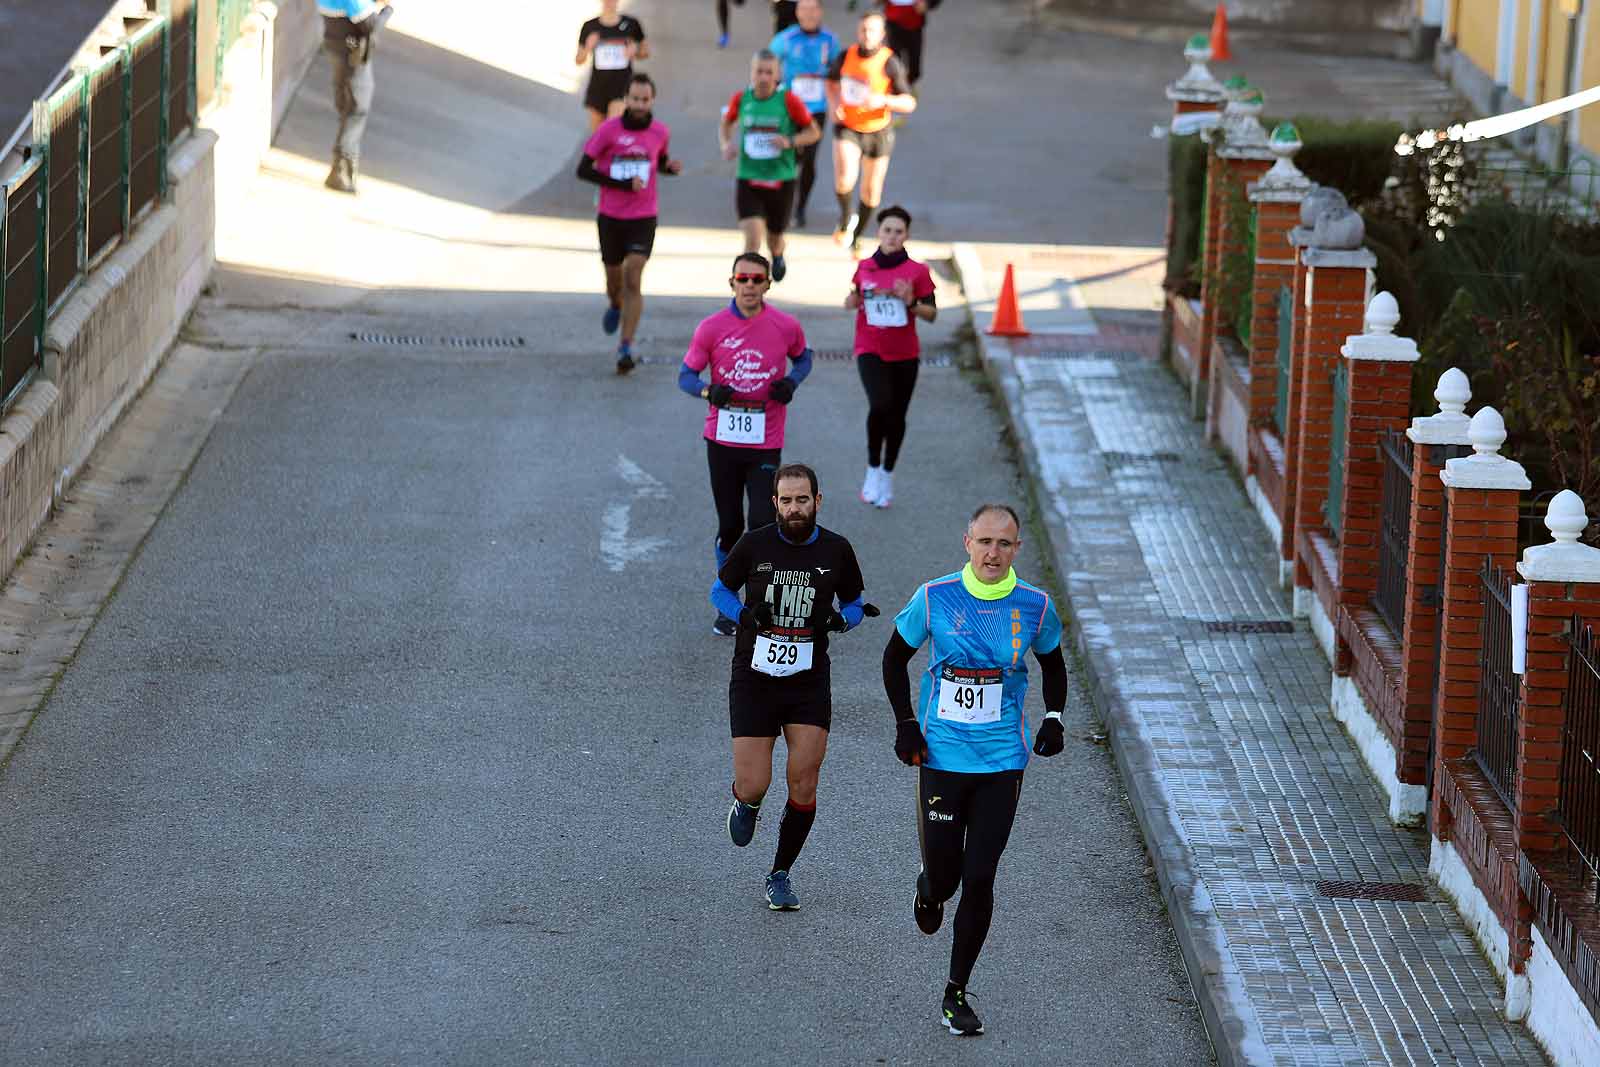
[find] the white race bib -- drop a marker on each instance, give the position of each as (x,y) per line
(780,657)
(742,425)
(625,170)
(903,3)
(884,310)
(809,88)
(762,144)
(970,694)
(612,55)
(854,92)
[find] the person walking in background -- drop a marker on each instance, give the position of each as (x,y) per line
(348,27)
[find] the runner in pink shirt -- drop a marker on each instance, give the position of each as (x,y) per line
(889,293)
(756,356)
(624,157)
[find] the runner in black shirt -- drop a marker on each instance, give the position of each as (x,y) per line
(612,41)
(792,571)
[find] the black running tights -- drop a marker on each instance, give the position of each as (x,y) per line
(736,474)
(964,821)
(889,385)
(807,159)
(722,13)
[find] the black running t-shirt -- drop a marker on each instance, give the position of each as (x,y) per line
(800,582)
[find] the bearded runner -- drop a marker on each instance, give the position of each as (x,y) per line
(801,583)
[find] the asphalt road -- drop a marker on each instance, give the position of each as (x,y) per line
(405,737)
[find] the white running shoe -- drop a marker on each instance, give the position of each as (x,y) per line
(869,487)
(885,495)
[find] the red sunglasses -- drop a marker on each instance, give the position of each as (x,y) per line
(750,279)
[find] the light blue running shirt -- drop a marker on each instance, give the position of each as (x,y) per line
(806,57)
(971,703)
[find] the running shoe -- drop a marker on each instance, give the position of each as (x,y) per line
(885,495)
(842,232)
(722,41)
(625,361)
(869,485)
(929,915)
(780,896)
(779,268)
(958,1016)
(855,248)
(742,822)
(611,319)
(725,627)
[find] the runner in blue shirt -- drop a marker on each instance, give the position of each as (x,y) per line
(806,49)
(968,733)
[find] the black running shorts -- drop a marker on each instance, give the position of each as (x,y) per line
(621,238)
(759,706)
(876,145)
(774,204)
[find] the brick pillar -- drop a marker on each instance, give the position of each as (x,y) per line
(1276,198)
(1434,440)
(1563,581)
(1240,157)
(1336,287)
(1481,494)
(1379,366)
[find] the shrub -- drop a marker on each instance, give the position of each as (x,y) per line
(1186,176)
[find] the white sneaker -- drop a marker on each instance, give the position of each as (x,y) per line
(869,487)
(885,489)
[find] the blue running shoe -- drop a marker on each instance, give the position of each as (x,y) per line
(625,361)
(780,894)
(722,41)
(611,319)
(779,268)
(742,821)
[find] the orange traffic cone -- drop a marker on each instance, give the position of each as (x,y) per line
(1219,35)
(1007,316)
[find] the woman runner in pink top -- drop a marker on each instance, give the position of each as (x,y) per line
(889,293)
(756,356)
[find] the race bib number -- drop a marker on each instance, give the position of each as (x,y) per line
(970,695)
(885,311)
(809,88)
(625,170)
(854,92)
(610,56)
(762,144)
(780,657)
(742,425)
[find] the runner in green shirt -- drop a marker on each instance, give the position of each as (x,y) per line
(761,128)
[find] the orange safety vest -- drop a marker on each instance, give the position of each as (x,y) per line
(866,72)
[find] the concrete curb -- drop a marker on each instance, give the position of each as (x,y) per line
(1229,1016)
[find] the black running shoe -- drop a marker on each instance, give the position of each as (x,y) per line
(958,1016)
(780,269)
(929,915)
(725,627)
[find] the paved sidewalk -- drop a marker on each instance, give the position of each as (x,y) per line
(1250,795)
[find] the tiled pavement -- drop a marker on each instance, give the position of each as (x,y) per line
(1249,792)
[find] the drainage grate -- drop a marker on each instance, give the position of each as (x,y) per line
(1088,353)
(404,340)
(1373,891)
(1118,460)
(1250,626)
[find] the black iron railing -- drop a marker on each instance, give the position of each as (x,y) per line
(1498,691)
(1394,544)
(1579,805)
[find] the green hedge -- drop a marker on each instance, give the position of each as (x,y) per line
(1186,176)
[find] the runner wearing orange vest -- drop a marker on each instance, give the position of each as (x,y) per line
(867,87)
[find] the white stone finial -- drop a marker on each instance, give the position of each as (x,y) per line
(1487,432)
(1564,559)
(1449,426)
(1379,342)
(1283,181)
(1197,85)
(1487,468)
(1383,314)
(1453,392)
(1566,519)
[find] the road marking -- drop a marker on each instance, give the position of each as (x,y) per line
(617,547)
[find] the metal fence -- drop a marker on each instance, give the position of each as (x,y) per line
(1333,506)
(98,162)
(1394,543)
(1498,711)
(1578,807)
(1280,407)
